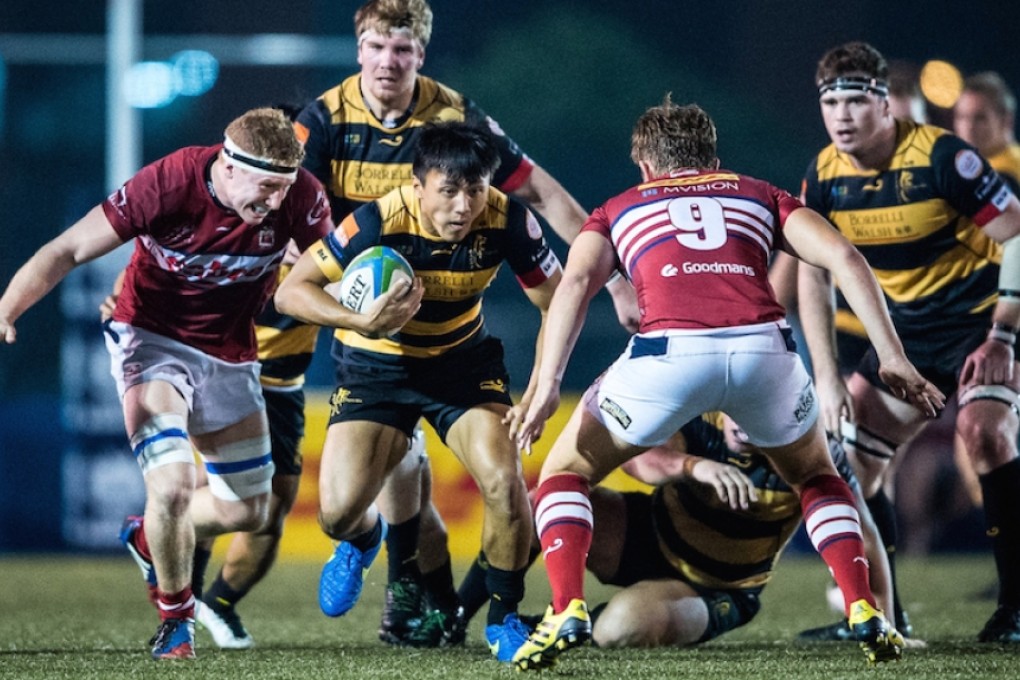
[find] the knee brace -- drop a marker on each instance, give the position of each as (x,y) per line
(866,441)
(161,440)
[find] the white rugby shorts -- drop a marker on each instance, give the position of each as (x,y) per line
(218,393)
(666,378)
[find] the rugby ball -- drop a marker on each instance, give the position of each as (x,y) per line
(371,274)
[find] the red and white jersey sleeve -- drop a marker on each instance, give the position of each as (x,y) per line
(199,273)
(696,246)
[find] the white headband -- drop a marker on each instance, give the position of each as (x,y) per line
(264,166)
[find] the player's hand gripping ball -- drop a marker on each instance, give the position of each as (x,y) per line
(370,274)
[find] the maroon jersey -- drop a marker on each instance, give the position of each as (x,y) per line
(696,246)
(199,273)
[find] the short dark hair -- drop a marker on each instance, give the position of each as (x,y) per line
(852,58)
(461,151)
(671,137)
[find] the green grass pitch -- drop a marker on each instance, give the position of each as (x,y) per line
(65,617)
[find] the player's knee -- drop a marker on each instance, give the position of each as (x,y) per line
(339,522)
(987,424)
(503,491)
(249,515)
(174,498)
(621,624)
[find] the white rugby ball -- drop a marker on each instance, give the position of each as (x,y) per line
(371,274)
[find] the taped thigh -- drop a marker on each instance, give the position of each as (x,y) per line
(161,440)
(241,469)
(863,440)
(1000,393)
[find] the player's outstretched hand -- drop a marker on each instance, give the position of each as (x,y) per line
(908,384)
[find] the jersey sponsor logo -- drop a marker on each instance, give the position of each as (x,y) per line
(492,385)
(550,264)
(718,268)
(968,164)
(395,141)
(874,186)
(701,187)
(874,226)
(669,270)
(1001,199)
(616,412)
(213,268)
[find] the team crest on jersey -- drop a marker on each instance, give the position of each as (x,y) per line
(477,252)
(968,164)
(616,412)
(352,139)
(318,210)
(905,185)
(267,237)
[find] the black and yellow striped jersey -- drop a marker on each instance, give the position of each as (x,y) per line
(359,159)
(455,275)
(917,222)
(709,542)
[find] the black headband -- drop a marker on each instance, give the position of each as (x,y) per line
(862,83)
(258,163)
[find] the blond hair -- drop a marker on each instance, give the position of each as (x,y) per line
(386,16)
(267,133)
(671,137)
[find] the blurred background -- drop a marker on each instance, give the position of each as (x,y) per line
(565,79)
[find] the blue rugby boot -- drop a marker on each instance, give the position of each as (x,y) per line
(343,575)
